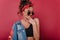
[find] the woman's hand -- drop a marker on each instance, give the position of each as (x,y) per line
(10,36)
(30,20)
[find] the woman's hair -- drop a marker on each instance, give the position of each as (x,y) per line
(24,3)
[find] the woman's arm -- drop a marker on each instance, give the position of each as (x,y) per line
(37,26)
(35,32)
(10,35)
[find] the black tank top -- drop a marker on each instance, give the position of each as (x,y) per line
(29,31)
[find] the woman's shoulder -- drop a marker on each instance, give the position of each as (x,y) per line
(36,19)
(17,22)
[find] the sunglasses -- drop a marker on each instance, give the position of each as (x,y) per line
(30,13)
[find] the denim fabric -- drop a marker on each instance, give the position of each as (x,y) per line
(19,31)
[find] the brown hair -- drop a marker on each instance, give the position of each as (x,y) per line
(22,4)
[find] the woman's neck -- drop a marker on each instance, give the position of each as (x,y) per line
(24,19)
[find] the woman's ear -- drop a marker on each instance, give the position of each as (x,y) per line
(18,14)
(23,13)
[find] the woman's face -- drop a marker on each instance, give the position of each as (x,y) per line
(25,12)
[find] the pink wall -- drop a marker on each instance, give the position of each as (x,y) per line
(48,11)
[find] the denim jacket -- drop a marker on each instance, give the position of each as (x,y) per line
(19,31)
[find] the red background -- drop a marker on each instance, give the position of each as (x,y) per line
(48,11)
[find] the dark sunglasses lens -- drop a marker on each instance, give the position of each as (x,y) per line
(29,13)
(32,13)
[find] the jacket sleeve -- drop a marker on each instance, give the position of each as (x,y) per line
(14,28)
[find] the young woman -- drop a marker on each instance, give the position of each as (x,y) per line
(30,24)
